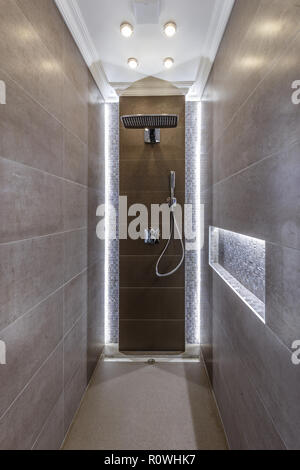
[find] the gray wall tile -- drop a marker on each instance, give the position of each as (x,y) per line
(28,134)
(75,245)
(261,201)
(283,287)
(51,149)
(254,159)
(30,202)
(75,206)
(75,300)
(75,349)
(75,159)
(52,434)
(21,425)
(29,342)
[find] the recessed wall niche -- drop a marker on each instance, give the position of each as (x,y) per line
(240,261)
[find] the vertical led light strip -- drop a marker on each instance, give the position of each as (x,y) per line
(107,226)
(199,228)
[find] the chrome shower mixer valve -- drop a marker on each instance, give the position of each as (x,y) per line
(151,236)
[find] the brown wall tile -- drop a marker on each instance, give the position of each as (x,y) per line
(152,335)
(144,179)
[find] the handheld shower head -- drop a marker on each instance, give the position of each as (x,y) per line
(173,180)
(172,183)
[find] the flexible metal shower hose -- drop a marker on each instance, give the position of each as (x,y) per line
(174,223)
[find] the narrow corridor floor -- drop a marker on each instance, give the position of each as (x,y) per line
(136,406)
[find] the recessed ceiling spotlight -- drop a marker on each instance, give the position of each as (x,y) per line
(170,29)
(126,30)
(168,62)
(133,63)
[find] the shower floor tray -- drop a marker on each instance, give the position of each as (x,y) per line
(112,353)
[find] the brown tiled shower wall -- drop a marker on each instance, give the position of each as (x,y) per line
(152,310)
(51,264)
(253,147)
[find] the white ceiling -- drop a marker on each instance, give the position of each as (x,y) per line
(95,25)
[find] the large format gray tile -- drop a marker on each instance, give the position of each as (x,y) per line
(21,425)
(73,393)
(258,35)
(75,206)
(52,434)
(30,202)
(263,200)
(74,65)
(75,159)
(75,111)
(7,286)
(28,134)
(27,60)
(75,300)
(95,245)
(282,292)
(267,124)
(96,170)
(75,349)
(29,341)
(47,23)
(38,268)
(233,386)
(75,243)
(31,270)
(96,120)
(268,362)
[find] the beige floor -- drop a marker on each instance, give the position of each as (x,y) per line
(136,406)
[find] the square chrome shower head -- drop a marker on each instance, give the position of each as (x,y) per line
(152,123)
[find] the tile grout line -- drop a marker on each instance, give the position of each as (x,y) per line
(49,113)
(287,147)
(272,67)
(253,385)
(61,178)
(61,287)
(31,379)
(41,237)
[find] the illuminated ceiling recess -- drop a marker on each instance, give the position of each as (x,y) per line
(95,26)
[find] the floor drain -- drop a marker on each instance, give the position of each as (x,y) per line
(151,362)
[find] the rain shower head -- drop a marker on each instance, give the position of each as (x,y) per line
(150,121)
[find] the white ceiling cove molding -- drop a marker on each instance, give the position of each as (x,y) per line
(217,28)
(72,16)
(130,89)
(110,91)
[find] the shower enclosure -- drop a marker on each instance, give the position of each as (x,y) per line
(152,275)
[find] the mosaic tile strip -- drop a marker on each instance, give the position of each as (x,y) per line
(192,289)
(113,274)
